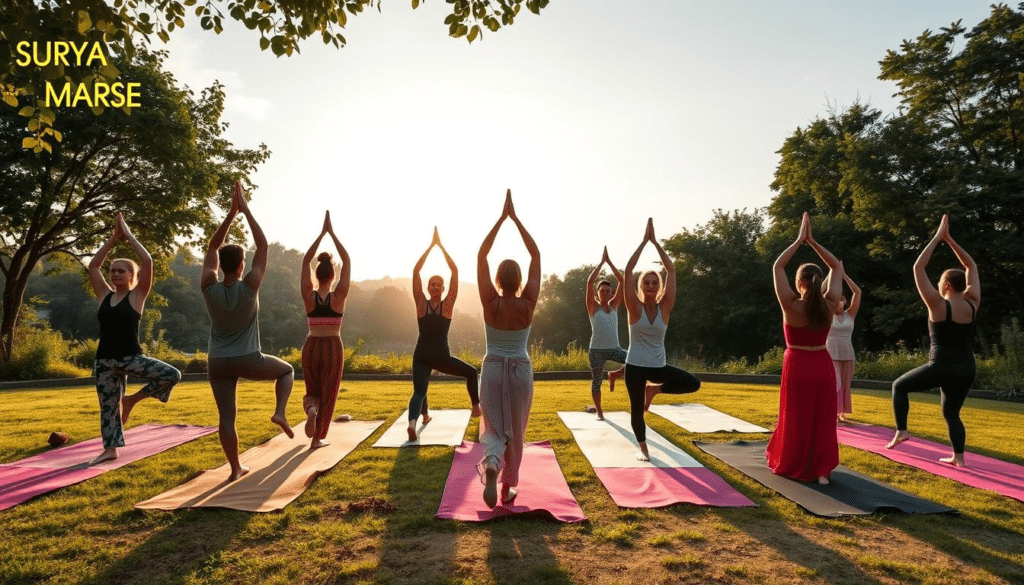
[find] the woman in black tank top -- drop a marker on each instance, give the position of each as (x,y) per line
(119,354)
(434,317)
(950,367)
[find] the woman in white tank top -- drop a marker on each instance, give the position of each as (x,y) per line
(603,308)
(840,346)
(647,372)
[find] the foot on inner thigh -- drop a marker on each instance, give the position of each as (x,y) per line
(283,423)
(107,455)
(237,473)
(128,402)
(310,421)
(317,443)
(898,438)
(652,391)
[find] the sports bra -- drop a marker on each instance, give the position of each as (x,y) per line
(322,313)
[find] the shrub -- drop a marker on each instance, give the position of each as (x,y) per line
(40,353)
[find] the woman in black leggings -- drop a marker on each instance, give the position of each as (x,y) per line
(951,310)
(434,317)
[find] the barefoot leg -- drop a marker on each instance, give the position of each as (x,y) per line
(652,391)
(508,494)
(310,426)
(412,430)
(237,473)
(898,438)
(491,483)
(644,454)
(317,443)
(128,402)
(108,454)
(282,390)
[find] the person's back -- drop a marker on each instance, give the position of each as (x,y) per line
(234,318)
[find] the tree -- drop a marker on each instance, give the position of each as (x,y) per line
(561,317)
(116,25)
(62,203)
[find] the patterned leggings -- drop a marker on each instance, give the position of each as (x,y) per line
(111,380)
(597,359)
(323,362)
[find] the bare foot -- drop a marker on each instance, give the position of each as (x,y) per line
(898,438)
(823,480)
(283,423)
(128,402)
(644,455)
(343,418)
(476,411)
(310,421)
(842,417)
(600,417)
(412,432)
(612,376)
(427,418)
(107,455)
(317,443)
(508,495)
(238,473)
(491,485)
(652,391)
(956,459)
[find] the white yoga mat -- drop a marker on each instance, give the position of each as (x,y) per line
(610,442)
(698,418)
(446,427)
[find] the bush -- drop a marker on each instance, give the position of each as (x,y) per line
(770,362)
(574,359)
(83,353)
(40,353)
(888,365)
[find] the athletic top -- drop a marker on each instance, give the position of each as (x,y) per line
(119,329)
(234,319)
(604,329)
(323,313)
(647,341)
(951,341)
(838,343)
(507,344)
(433,339)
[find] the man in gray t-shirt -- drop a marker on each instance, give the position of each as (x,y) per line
(234,305)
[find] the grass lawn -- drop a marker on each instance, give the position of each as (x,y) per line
(89,533)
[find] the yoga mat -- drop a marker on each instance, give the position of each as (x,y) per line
(279,470)
(697,418)
(542,488)
(446,427)
(670,477)
(848,494)
(50,470)
(981,472)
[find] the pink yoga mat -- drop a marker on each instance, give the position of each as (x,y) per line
(62,467)
(654,487)
(542,488)
(981,471)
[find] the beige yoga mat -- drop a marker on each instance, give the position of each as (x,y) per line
(446,427)
(279,470)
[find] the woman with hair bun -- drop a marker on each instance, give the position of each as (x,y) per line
(804,445)
(323,353)
(950,367)
(119,354)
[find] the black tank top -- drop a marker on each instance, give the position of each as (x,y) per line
(433,339)
(322,308)
(951,340)
(119,329)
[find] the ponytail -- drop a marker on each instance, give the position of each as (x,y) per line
(818,315)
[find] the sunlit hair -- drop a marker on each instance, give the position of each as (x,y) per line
(231,256)
(509,277)
(324,268)
(132,267)
(956,278)
(640,284)
(598,288)
(817,310)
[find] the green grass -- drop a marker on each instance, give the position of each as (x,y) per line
(89,533)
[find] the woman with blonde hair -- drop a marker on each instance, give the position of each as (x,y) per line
(506,377)
(119,354)
(323,353)
(603,307)
(804,446)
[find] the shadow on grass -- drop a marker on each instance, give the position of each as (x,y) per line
(519,552)
(191,546)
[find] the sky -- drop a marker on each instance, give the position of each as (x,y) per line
(596,114)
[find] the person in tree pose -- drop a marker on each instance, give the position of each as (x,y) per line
(804,445)
(506,377)
(603,306)
(840,346)
(950,367)
(323,353)
(648,308)
(434,317)
(119,354)
(233,305)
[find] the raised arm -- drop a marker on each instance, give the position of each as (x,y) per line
(531,292)
(345,277)
(619,281)
(483,272)
(629,294)
(973,291)
(100,286)
(783,291)
(417,283)
(834,279)
(931,297)
(448,304)
(588,294)
(306,274)
(855,295)
(145,275)
(668,300)
(254,278)
(211,262)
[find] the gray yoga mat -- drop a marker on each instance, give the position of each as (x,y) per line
(848,494)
